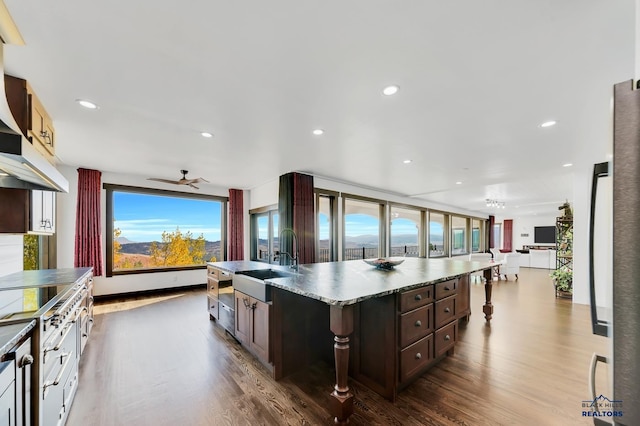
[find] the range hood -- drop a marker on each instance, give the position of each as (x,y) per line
(21,165)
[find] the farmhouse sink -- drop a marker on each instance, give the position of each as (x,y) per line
(252,282)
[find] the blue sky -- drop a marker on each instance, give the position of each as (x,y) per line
(143,217)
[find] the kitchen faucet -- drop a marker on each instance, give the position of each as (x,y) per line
(293,258)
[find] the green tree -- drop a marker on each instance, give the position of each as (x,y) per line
(178,249)
(30,254)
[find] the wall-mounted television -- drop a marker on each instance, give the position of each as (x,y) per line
(544,234)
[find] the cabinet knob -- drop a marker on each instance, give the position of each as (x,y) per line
(418,323)
(25,360)
(447,288)
(418,355)
(418,297)
(447,337)
(447,310)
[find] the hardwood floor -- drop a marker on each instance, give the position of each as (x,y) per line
(159,361)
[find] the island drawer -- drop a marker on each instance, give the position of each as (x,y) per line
(445,311)
(213,307)
(445,338)
(415,357)
(212,287)
(446,288)
(416,324)
(415,298)
(218,274)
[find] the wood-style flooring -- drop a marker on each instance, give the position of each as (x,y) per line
(158,360)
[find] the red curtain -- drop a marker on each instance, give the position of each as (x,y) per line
(508,235)
(88,249)
(492,221)
(296,212)
(236,225)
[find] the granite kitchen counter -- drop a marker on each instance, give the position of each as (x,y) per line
(11,334)
(43,277)
(350,282)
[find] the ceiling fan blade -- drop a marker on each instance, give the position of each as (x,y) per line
(193,186)
(165,181)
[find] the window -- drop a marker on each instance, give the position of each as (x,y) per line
(361,229)
(326,250)
(458,235)
(497,235)
(265,234)
(405,231)
(436,234)
(476,236)
(152,230)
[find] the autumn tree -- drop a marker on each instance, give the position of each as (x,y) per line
(178,249)
(117,256)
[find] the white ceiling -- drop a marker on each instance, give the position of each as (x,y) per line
(476,79)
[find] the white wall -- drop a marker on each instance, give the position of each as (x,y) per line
(11,253)
(124,283)
(526,225)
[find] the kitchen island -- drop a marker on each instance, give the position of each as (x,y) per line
(395,324)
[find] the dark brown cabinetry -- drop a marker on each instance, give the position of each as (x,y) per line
(400,336)
(23,211)
(252,325)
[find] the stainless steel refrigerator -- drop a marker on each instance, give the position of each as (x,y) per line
(615,299)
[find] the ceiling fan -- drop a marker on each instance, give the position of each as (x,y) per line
(183,181)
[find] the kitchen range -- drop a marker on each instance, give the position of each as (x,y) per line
(61,304)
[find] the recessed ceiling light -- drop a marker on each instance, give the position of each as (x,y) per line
(3,173)
(318,132)
(87,104)
(548,123)
(406,161)
(458,183)
(567,165)
(206,135)
(390,90)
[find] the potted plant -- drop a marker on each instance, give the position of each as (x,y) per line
(563,281)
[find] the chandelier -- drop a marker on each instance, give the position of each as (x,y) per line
(495,203)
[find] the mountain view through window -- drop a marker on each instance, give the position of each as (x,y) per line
(157,231)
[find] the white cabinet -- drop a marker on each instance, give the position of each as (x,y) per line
(43,212)
(7,393)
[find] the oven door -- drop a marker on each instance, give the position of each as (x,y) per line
(59,366)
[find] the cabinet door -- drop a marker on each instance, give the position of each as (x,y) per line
(43,209)
(7,393)
(463,305)
(243,317)
(260,329)
(49,203)
(14,210)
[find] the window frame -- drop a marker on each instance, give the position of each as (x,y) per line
(332,196)
(382,219)
(445,237)
(254,214)
(421,225)
(111,188)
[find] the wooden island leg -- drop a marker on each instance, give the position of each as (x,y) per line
(342,398)
(488,283)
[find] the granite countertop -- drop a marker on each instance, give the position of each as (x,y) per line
(350,282)
(11,334)
(43,277)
